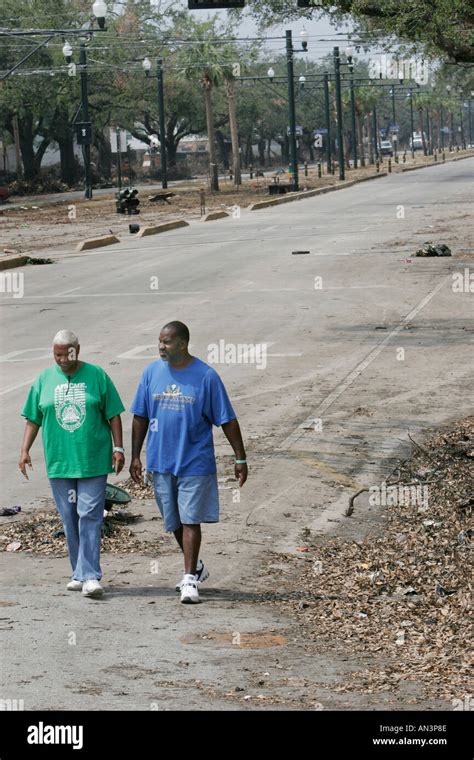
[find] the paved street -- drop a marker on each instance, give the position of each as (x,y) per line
(360,336)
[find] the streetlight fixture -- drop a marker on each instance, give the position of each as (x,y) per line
(271,74)
(304,39)
(67,52)
(99,9)
(146,66)
(302,81)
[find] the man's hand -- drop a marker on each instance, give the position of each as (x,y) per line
(241,472)
(118,461)
(136,470)
(25,459)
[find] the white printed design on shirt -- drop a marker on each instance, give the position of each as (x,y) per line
(70,405)
(173,398)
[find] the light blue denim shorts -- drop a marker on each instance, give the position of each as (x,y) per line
(190,500)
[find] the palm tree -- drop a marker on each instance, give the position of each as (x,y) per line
(234,133)
(203,60)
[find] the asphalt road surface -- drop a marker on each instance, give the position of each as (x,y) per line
(357,343)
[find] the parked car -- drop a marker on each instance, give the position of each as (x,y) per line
(386,148)
(416,141)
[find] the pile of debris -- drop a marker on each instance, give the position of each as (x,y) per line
(403,594)
(434,250)
(143,491)
(42,533)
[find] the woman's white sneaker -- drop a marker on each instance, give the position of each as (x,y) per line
(189,590)
(92,588)
(74,585)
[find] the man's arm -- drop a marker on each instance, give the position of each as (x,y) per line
(234,436)
(139,430)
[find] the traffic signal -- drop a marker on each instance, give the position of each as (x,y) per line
(195,5)
(127,201)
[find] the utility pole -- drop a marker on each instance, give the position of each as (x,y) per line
(353,115)
(328,122)
(161,108)
(292,114)
(86,147)
(340,144)
(16,139)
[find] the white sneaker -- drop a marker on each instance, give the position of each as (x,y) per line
(189,591)
(202,574)
(92,588)
(74,585)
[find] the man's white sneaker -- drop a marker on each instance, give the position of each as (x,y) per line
(92,588)
(202,574)
(74,585)
(189,591)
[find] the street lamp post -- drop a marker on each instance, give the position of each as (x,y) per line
(412,127)
(161,110)
(292,111)
(461,121)
(328,122)
(349,54)
(340,145)
(470,117)
(161,107)
(86,146)
(375,131)
(441,117)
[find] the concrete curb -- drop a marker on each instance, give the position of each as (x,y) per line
(312,193)
(86,245)
(435,163)
(164,227)
(215,215)
(13,261)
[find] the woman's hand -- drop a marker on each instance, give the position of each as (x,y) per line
(25,459)
(118,462)
(136,470)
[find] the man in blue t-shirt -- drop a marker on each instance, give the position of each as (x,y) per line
(178,400)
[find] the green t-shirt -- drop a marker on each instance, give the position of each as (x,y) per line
(74,414)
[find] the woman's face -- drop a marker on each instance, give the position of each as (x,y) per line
(66,357)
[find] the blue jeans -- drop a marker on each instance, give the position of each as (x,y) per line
(80,502)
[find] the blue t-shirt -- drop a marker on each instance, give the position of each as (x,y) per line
(181,405)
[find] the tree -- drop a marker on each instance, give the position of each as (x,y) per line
(444,27)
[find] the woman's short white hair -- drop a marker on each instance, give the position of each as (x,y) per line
(65,338)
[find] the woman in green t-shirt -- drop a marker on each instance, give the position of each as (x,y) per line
(78,408)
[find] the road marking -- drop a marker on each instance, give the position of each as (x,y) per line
(12,356)
(70,291)
(15,387)
(339,390)
(121,295)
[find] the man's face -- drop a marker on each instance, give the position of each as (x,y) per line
(66,357)
(171,347)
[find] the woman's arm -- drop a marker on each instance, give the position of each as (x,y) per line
(118,459)
(31,431)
